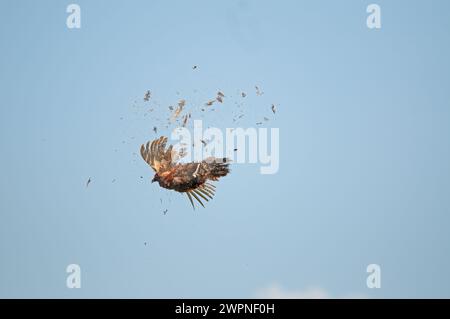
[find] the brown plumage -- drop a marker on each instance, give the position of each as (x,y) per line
(190,178)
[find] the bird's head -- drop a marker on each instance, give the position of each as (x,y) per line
(155,178)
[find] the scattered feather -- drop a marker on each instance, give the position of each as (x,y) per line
(178,110)
(185,119)
(258,91)
(147,96)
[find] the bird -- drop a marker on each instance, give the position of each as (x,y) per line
(193,179)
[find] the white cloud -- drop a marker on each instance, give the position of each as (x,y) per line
(275,291)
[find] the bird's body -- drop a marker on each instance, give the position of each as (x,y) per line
(190,178)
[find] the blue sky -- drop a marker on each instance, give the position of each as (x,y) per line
(364,148)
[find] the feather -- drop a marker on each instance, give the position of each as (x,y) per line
(208,188)
(197,191)
(190,198)
(202,190)
(198,199)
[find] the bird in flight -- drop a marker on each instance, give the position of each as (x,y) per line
(193,178)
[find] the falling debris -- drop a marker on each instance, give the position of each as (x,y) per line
(145,243)
(113,180)
(147,96)
(220,97)
(194,67)
(179,109)
(258,91)
(180,113)
(185,119)
(88,182)
(165,211)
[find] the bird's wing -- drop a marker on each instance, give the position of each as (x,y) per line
(204,191)
(156,154)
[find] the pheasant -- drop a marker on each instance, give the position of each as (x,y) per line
(193,178)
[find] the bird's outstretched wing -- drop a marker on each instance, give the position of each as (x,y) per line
(205,191)
(193,178)
(156,154)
